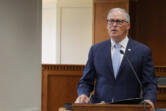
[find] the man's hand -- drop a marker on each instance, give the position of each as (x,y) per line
(82,99)
(151,104)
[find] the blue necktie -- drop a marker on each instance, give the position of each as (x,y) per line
(116,59)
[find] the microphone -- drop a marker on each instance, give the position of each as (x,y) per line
(135,74)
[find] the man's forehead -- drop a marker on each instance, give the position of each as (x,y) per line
(117,14)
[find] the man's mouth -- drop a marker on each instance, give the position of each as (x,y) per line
(113,30)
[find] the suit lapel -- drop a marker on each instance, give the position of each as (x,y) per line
(129,53)
(109,58)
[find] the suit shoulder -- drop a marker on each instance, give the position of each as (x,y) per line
(141,45)
(102,44)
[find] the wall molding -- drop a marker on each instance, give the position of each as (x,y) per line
(160,71)
(62,67)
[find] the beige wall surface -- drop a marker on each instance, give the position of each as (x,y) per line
(20,55)
(74,31)
(66,27)
(76,35)
(49,34)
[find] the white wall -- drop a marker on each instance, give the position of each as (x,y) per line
(66,29)
(20,55)
(76,34)
(49,32)
(74,31)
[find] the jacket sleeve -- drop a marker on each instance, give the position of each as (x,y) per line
(149,79)
(86,84)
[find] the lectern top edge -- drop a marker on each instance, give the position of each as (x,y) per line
(110,105)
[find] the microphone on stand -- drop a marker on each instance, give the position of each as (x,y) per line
(132,68)
(132,100)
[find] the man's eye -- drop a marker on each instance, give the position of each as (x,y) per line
(119,21)
(113,21)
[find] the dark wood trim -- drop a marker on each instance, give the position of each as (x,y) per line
(160,71)
(62,67)
(109,1)
(109,107)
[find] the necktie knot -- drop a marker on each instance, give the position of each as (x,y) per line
(117,45)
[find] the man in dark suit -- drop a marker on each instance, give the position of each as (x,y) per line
(107,71)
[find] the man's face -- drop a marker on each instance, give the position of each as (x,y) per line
(117,25)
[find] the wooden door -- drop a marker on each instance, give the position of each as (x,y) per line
(101,9)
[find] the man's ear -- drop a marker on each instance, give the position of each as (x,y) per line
(128,27)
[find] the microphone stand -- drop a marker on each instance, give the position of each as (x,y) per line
(132,68)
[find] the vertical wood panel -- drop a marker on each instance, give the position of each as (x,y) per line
(101,9)
(61,89)
(149,19)
(59,84)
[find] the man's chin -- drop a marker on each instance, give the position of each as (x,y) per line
(115,36)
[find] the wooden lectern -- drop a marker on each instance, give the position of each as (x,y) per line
(110,107)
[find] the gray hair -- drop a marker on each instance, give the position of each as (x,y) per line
(121,10)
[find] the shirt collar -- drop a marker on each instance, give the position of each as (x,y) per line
(123,43)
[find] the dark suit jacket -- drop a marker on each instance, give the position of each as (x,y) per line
(99,70)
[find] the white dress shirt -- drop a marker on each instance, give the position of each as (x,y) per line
(123,44)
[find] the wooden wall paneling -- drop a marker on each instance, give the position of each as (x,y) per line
(149,19)
(59,85)
(161,97)
(44,89)
(101,8)
(160,71)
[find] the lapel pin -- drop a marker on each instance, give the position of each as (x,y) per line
(129,49)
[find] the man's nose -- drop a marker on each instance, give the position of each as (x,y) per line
(114,24)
